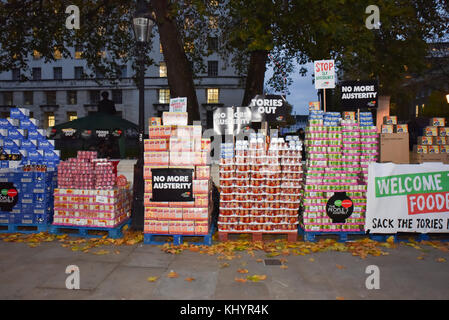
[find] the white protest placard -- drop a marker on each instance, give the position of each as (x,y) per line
(324,74)
(407,198)
(178,105)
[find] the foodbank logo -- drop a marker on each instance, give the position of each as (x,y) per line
(339,207)
(8,196)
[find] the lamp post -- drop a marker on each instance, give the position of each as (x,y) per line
(142,26)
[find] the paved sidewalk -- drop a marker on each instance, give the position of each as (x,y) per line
(39,273)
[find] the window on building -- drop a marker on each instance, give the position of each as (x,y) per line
(57,54)
(212,43)
(7,98)
(28,97)
(49,119)
(94,96)
(117,96)
(213,22)
(78,52)
(162,69)
(124,71)
(15,74)
(36,55)
(79,73)
(57,73)
(99,74)
(36,73)
(71,115)
(212,95)
(50,97)
(72,97)
(31,114)
(160,48)
(212,68)
(164,95)
(417,111)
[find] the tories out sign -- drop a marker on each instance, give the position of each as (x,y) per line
(324,74)
(268,108)
(231,120)
(359,94)
(407,198)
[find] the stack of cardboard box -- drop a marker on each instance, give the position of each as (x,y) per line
(394,141)
(23,143)
(174,144)
(434,144)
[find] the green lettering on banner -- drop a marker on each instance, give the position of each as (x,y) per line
(403,184)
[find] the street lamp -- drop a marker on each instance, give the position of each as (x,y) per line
(142,26)
(447,98)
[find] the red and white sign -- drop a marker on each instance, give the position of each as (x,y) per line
(324,74)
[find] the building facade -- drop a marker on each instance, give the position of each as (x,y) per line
(58,92)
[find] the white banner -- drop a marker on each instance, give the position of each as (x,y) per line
(324,74)
(408,198)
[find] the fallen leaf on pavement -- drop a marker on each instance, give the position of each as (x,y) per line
(259,260)
(340,298)
(284,266)
(189,279)
(420,258)
(152,279)
(240,280)
(441,260)
(117,252)
(172,274)
(101,252)
(340,267)
(311,259)
(256,278)
(242,270)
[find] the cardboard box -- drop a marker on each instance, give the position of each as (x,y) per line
(181,144)
(434,157)
(443,131)
(437,122)
(155,121)
(401,128)
(394,147)
(160,131)
(348,115)
(156,145)
(431,131)
(439,141)
(390,120)
(425,141)
(178,158)
(175,118)
(434,149)
(156,158)
(387,128)
(421,149)
(444,149)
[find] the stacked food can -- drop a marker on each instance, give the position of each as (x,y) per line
(261,184)
(173,144)
(338,154)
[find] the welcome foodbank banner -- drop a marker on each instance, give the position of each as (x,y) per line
(407,198)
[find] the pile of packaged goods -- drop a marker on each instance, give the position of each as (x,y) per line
(339,152)
(23,143)
(87,194)
(176,145)
(435,139)
(33,187)
(261,185)
(390,125)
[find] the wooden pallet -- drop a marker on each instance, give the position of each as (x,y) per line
(90,232)
(405,237)
(178,239)
(258,236)
(23,228)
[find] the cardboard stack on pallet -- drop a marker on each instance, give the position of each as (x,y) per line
(174,145)
(261,185)
(394,141)
(338,154)
(434,144)
(22,142)
(87,194)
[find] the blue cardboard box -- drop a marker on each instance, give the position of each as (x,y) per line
(47,145)
(43,219)
(29,124)
(19,113)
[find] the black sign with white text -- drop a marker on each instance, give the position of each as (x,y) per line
(270,108)
(8,196)
(172,185)
(339,207)
(231,120)
(359,94)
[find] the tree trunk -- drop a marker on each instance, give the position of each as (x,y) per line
(179,72)
(255,76)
